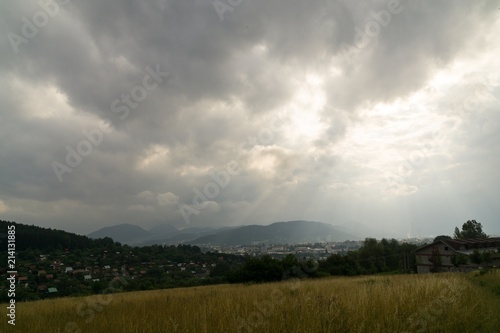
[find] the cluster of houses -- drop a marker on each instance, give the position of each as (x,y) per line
(442,254)
(45,276)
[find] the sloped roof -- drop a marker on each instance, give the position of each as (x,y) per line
(473,243)
(466,243)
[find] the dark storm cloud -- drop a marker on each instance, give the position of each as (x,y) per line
(228,79)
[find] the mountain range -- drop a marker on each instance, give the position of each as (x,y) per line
(135,235)
(276,233)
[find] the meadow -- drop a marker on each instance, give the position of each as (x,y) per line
(446,302)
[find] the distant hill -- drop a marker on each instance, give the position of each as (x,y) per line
(181,236)
(163,230)
(135,235)
(123,233)
(276,233)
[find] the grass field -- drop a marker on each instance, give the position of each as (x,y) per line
(447,302)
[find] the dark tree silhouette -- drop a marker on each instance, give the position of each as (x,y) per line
(470,229)
(441,237)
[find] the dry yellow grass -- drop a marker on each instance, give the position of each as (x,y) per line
(401,303)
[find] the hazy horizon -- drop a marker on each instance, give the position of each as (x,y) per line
(345,227)
(199,114)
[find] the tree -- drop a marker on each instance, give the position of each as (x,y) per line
(476,257)
(220,270)
(340,265)
(486,257)
(459,260)
(470,229)
(264,269)
(441,237)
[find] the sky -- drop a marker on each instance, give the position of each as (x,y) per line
(203,113)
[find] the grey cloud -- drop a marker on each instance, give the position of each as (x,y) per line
(227,80)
